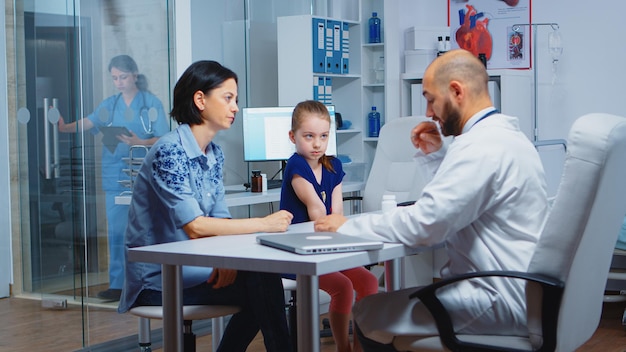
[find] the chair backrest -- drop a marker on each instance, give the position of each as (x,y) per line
(578,239)
(393,169)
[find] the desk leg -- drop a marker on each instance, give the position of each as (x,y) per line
(393,274)
(307,298)
(172,308)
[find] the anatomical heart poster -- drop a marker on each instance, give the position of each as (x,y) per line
(499,29)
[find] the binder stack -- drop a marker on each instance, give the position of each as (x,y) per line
(323,90)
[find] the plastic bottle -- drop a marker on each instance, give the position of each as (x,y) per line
(264,183)
(373,119)
(374,24)
(447,45)
(483,58)
(256,182)
(379,70)
(441,46)
(388,203)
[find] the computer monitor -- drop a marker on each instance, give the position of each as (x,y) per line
(266,133)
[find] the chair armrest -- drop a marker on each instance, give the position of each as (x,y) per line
(552,292)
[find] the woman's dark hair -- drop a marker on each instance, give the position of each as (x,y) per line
(201,76)
(126,63)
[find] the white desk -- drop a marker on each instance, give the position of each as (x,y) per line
(237,195)
(242,252)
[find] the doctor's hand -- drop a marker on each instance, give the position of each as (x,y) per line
(222,277)
(329,223)
(425,136)
(276,222)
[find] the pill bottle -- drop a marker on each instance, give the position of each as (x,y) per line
(388,203)
(256,181)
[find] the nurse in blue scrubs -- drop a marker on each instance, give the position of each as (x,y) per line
(142,114)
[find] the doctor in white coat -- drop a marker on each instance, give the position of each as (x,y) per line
(487,202)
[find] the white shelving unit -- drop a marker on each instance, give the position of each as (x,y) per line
(353,93)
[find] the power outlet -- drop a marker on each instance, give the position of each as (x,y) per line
(56,303)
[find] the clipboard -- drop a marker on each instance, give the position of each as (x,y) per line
(109,136)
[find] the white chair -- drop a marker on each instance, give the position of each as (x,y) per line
(289,286)
(394,171)
(192,312)
(568,272)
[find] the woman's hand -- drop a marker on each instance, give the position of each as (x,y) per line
(329,223)
(425,136)
(222,277)
(277,222)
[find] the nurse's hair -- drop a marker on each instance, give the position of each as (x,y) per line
(311,108)
(201,76)
(126,64)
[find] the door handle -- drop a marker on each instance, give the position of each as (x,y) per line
(51,118)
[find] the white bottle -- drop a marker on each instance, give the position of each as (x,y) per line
(388,203)
(264,183)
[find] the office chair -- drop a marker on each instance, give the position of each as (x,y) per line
(568,271)
(191,312)
(395,172)
(393,169)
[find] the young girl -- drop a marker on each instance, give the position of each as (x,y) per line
(312,189)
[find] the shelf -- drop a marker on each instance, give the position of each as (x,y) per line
(339,75)
(374,45)
(348,131)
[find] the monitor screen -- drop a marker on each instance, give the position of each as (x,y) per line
(266,133)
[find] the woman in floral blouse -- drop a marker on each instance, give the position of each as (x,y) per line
(179,195)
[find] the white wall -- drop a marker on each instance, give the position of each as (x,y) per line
(590,70)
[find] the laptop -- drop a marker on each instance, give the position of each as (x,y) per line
(318,242)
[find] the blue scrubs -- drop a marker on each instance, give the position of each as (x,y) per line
(112,112)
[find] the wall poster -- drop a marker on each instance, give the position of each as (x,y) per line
(489,27)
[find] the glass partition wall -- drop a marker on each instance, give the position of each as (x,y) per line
(65,176)
(70,245)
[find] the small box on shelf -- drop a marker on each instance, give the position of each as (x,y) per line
(424,37)
(416,61)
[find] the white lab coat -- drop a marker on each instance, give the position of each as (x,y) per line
(488,202)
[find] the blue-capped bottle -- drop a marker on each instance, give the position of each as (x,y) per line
(374,25)
(373,121)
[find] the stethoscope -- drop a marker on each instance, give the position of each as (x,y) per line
(146,115)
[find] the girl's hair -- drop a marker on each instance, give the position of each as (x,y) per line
(201,76)
(305,109)
(126,63)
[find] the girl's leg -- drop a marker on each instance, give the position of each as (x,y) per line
(341,292)
(365,283)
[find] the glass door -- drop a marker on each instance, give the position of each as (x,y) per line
(80,67)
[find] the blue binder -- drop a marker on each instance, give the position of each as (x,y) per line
(333,46)
(318,88)
(319,45)
(323,89)
(328,91)
(345,48)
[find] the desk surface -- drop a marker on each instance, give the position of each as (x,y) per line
(237,195)
(242,252)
